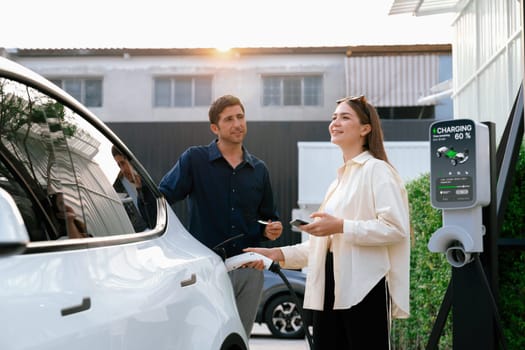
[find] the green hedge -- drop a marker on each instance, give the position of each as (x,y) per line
(512,263)
(430,272)
(429,275)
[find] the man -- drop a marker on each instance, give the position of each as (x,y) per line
(228,191)
(142,207)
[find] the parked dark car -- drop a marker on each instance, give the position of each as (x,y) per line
(278,307)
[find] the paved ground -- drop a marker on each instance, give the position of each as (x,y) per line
(261,339)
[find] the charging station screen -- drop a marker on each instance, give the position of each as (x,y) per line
(452,146)
(454,188)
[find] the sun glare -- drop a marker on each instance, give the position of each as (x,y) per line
(223,49)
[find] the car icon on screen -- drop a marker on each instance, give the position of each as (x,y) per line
(454,156)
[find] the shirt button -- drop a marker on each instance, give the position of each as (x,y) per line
(233,226)
(233,209)
(233,190)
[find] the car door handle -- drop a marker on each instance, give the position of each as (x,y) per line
(189,281)
(85,305)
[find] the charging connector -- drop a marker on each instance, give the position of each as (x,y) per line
(238,261)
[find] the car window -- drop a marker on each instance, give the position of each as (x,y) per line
(62,171)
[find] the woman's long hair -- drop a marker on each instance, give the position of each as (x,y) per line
(367,114)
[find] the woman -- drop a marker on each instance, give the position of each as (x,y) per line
(358,254)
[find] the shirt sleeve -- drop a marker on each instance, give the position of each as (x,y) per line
(390,224)
(296,256)
(177,183)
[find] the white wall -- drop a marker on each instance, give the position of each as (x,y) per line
(318,163)
(128,83)
(487,61)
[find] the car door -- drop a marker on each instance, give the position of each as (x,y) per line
(42,288)
(88,279)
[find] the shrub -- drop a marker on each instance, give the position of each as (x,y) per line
(512,263)
(429,274)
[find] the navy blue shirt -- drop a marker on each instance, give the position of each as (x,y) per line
(223,202)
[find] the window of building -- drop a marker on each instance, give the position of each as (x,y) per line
(184,91)
(407,112)
(88,91)
(292,90)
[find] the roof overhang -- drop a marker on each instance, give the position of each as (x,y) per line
(426,7)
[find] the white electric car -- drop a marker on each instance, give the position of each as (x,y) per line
(86,263)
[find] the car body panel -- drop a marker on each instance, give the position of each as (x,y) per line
(133,291)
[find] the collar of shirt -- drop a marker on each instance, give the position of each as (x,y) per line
(214,153)
(360,159)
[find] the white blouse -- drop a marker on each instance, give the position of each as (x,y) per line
(371,197)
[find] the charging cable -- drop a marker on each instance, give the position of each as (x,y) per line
(238,261)
(276,268)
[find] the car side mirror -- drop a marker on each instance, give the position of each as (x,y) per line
(13,235)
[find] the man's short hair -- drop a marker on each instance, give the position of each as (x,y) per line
(117,152)
(220,104)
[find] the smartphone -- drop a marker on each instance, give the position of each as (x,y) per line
(298,222)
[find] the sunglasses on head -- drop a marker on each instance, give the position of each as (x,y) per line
(360,100)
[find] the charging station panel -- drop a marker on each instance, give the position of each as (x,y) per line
(459,164)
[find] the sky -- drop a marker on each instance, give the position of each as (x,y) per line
(213,24)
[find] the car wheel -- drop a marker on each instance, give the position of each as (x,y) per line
(283,318)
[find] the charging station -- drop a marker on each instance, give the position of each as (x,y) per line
(462,182)
(460,186)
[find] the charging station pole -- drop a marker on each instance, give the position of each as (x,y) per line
(460,181)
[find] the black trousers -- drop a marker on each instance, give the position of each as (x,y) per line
(363,326)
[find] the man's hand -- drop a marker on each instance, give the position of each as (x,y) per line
(273,230)
(258,265)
